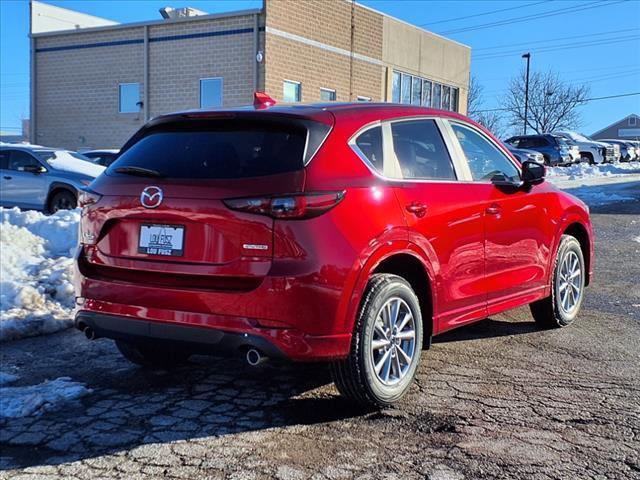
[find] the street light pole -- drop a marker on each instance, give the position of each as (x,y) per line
(526,92)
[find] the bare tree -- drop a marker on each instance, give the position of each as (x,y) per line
(491,120)
(552,102)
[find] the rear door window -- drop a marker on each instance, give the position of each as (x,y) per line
(220,149)
(421,151)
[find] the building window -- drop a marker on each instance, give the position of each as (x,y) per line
(362,98)
(291,91)
(633,121)
(395,89)
(416,90)
(436,96)
(129,101)
(426,93)
(446,98)
(327,95)
(406,89)
(211,92)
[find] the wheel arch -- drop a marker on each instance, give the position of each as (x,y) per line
(56,187)
(413,270)
(580,233)
(401,257)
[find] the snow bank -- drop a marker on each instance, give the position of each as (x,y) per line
(584,170)
(36,267)
(16,402)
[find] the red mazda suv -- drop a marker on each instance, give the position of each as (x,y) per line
(346,233)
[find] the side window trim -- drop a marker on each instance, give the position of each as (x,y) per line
(392,169)
(391,166)
(460,151)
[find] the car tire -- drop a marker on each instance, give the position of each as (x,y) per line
(390,307)
(152,356)
(62,200)
(587,157)
(563,305)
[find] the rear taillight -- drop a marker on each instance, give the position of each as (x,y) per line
(88,197)
(293,207)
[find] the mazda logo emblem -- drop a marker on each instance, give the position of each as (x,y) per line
(151,197)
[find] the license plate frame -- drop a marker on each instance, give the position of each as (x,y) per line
(168,242)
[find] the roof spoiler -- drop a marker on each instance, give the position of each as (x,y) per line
(262,100)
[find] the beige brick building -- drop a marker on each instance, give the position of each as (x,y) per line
(94,86)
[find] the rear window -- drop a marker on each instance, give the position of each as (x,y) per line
(222,149)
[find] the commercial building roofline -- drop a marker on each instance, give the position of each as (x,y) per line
(408,24)
(119,26)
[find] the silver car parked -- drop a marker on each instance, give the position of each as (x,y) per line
(40,178)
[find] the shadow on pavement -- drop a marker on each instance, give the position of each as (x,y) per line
(488,328)
(211,397)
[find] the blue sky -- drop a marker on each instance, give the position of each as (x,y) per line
(594,42)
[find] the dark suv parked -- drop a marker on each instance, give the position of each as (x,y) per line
(555,149)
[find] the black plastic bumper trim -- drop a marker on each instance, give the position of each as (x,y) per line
(197,339)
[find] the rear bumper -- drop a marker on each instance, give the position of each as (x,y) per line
(233,336)
(199,339)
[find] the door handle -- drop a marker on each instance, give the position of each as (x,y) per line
(418,209)
(493,209)
(7,177)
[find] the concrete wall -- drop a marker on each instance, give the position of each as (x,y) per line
(412,50)
(78,76)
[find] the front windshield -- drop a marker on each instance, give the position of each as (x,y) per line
(51,156)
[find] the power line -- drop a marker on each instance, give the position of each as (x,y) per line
(570,46)
(583,80)
(616,31)
(518,7)
(586,100)
(580,70)
(525,18)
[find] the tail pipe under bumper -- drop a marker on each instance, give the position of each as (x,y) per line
(255,349)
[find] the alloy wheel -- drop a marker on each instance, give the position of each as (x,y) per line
(393,344)
(569,282)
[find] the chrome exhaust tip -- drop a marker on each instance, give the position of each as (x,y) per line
(89,333)
(254,357)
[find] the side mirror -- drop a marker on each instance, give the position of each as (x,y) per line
(35,169)
(533,172)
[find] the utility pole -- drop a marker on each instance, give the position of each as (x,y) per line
(526,92)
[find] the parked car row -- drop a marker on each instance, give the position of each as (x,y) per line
(568,147)
(554,149)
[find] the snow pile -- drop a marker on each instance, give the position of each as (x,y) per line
(16,402)
(584,170)
(595,197)
(36,268)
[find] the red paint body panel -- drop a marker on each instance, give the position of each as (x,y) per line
(302,289)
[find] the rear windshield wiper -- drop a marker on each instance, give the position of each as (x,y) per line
(140,171)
